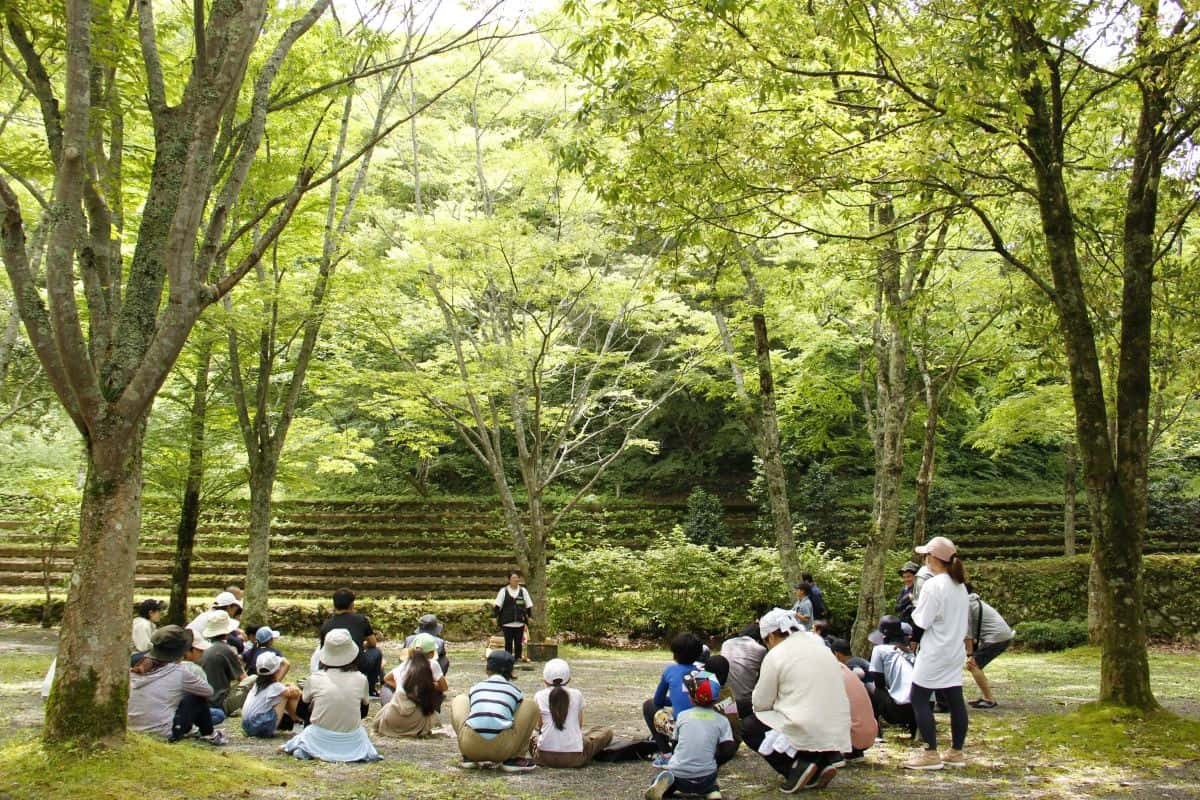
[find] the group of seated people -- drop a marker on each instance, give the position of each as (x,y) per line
(800,700)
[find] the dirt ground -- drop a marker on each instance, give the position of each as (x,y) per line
(614,684)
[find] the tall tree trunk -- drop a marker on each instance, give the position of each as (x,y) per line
(1070,489)
(258,556)
(781,516)
(189,513)
(890,346)
(928,456)
(91,683)
(536,578)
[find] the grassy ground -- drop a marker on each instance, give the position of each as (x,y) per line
(1044,741)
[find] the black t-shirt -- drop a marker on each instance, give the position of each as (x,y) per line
(357,624)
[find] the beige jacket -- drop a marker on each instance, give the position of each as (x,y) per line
(800,693)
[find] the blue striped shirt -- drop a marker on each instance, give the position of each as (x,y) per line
(493,703)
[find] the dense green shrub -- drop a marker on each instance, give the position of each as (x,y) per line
(705,523)
(1052,635)
(678,585)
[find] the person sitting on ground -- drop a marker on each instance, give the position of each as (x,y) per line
(491,722)
(726,704)
(562,740)
(336,696)
(264,642)
(703,742)
(863,725)
(226,603)
(820,610)
(222,665)
(891,674)
(801,720)
(370,657)
(905,600)
(856,664)
(417,688)
(270,704)
(988,635)
(744,653)
(429,624)
(670,697)
(149,612)
(803,608)
(165,698)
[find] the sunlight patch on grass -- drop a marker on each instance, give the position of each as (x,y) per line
(1104,734)
(142,767)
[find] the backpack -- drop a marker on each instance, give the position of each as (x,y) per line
(628,750)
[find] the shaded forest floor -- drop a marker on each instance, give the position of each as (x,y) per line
(1037,744)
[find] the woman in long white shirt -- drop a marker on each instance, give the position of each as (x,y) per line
(941,612)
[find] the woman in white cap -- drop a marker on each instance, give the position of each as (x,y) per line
(337,695)
(417,690)
(801,720)
(562,740)
(941,612)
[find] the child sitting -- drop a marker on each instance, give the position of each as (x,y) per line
(269,700)
(726,703)
(416,689)
(704,741)
(563,741)
(670,698)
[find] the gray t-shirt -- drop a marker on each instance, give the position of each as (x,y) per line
(988,627)
(892,663)
(698,731)
(745,660)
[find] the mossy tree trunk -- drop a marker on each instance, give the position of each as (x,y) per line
(189,512)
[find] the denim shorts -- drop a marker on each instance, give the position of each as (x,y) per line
(262,724)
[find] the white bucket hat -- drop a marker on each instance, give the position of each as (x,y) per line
(218,623)
(339,648)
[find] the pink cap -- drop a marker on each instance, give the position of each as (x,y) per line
(939,547)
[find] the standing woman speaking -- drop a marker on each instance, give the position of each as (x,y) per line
(512,608)
(941,611)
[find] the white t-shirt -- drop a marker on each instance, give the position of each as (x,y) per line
(336,697)
(942,611)
(260,701)
(143,629)
(399,672)
(570,738)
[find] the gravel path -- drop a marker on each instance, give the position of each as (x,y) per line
(614,685)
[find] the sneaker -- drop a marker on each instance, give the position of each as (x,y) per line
(800,774)
(518,765)
(954,758)
(838,763)
(216,738)
(468,764)
(982,703)
(659,786)
(661,760)
(926,759)
(715,794)
(825,778)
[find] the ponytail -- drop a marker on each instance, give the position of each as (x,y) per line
(956,570)
(560,703)
(418,683)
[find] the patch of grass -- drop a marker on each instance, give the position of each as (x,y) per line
(23,668)
(142,767)
(1101,734)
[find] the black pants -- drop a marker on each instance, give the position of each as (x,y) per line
(891,712)
(753,733)
(370,663)
(512,640)
(648,712)
(192,711)
(924,715)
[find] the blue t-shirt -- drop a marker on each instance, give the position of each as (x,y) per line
(493,704)
(670,691)
(698,731)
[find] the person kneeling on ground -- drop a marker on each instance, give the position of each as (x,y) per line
(801,720)
(863,725)
(418,688)
(492,723)
(270,704)
(703,742)
(166,698)
(891,674)
(670,697)
(337,697)
(562,741)
(726,703)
